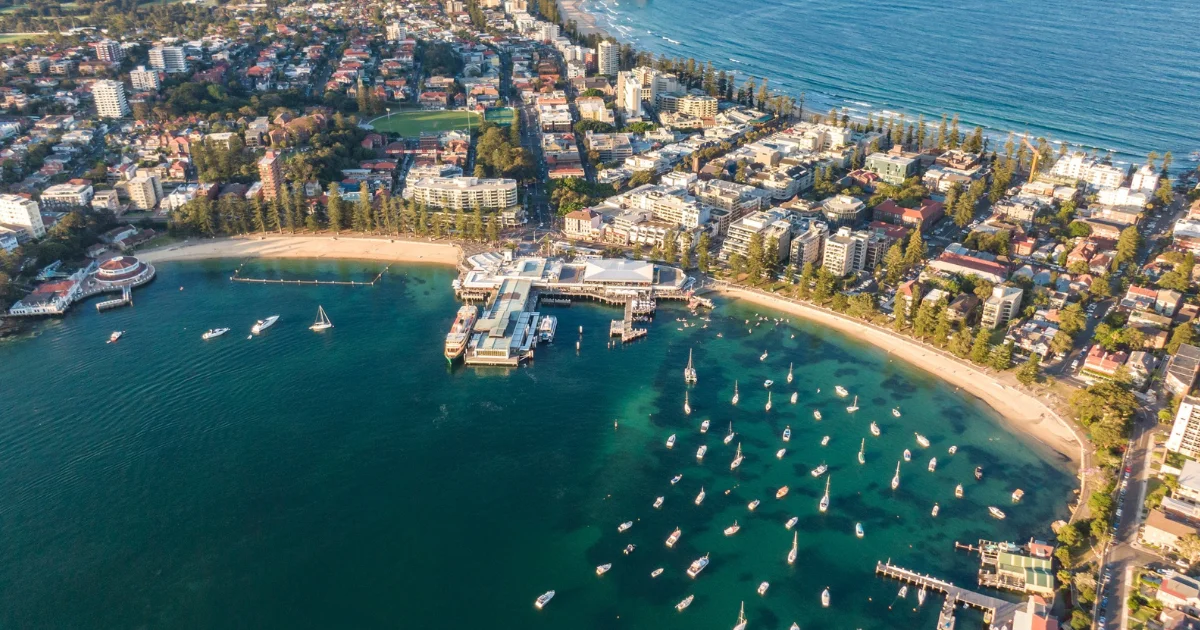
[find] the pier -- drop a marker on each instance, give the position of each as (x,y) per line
(348,283)
(126,299)
(623,327)
(996,611)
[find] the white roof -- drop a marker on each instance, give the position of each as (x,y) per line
(1190,477)
(618,270)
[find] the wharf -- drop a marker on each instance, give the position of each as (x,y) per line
(125,299)
(997,612)
(623,327)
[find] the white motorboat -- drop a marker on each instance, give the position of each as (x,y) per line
(903,592)
(795,397)
(115,336)
(794,552)
(657,572)
(874,429)
(322,322)
(825,597)
(791,522)
(729,438)
(671,441)
(701,451)
(658,502)
(674,538)
(953,449)
(700,497)
(825,441)
(853,407)
(820,470)
(787,433)
(762,588)
(932,464)
(687,601)
(687,406)
(697,566)
(753,505)
(675,479)
(861,448)
(907,455)
(768,383)
(624,526)
(737,458)
(896,477)
(896,412)
(768,401)
(544,599)
(825,499)
(858,530)
(1017,495)
(732,529)
(922,440)
(263,324)
(602,569)
(817,414)
(213,333)
(764,356)
(935,510)
(958,491)
(996,513)
(689,372)
(841,391)
(781,492)
(704,427)
(780,453)
(735,393)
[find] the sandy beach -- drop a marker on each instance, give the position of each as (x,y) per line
(572,10)
(277,246)
(1022,411)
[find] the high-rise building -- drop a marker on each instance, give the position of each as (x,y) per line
(1001,307)
(145,191)
(396,32)
(608,58)
(18,211)
(144,80)
(769,225)
(169,59)
(109,97)
(845,252)
(1185,434)
(109,51)
(270,173)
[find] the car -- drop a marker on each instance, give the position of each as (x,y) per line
(1127,470)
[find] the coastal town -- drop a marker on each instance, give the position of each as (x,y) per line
(562,165)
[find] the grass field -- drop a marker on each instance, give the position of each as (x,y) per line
(10,38)
(410,124)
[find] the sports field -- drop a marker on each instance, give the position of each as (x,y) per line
(411,124)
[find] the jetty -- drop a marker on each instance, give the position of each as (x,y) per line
(997,612)
(624,328)
(348,283)
(126,299)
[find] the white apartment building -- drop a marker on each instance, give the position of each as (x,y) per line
(1002,307)
(696,105)
(643,83)
(145,191)
(453,193)
(109,97)
(1079,166)
(1185,434)
(144,80)
(808,245)
(608,56)
(109,51)
(771,225)
(669,207)
(61,196)
(1145,180)
(19,212)
(845,252)
(396,32)
(169,59)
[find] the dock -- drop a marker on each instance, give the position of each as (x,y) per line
(126,299)
(623,327)
(348,283)
(997,612)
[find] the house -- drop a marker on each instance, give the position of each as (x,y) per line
(969,265)
(1101,364)
(584,224)
(922,217)
(1034,615)
(1164,531)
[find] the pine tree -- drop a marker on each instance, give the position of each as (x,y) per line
(941,324)
(1027,374)
(493,229)
(952,142)
(941,135)
(914,253)
(476,224)
(259,214)
(901,321)
(754,257)
(982,348)
(334,209)
(363,210)
(1001,358)
(960,345)
(893,263)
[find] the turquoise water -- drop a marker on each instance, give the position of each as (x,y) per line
(351,479)
(1111,74)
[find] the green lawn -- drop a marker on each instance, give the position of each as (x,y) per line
(410,124)
(10,38)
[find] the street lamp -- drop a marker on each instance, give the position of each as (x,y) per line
(389,111)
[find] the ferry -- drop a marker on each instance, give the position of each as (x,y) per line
(697,566)
(674,538)
(547,326)
(820,470)
(932,464)
(996,512)
(874,429)
(658,502)
(762,588)
(794,551)
(858,530)
(782,492)
(907,455)
(544,599)
(825,440)
(657,572)
(704,427)
(935,509)
(896,412)
(825,597)
(602,569)
(213,333)
(624,526)
(791,522)
(115,336)
(700,497)
(1017,495)
(787,433)
(701,451)
(753,505)
(841,391)
(263,324)
(629,548)
(922,440)
(675,479)
(460,332)
(817,414)
(671,441)
(687,601)
(958,491)
(780,453)
(732,529)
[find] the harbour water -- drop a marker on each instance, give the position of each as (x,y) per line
(1110,75)
(351,479)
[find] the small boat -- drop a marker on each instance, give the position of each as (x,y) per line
(820,470)
(263,324)
(729,438)
(1017,495)
(921,597)
(543,599)
(602,569)
(782,492)
(780,453)
(322,322)
(732,529)
(735,393)
(794,626)
(737,458)
(629,548)
(953,449)
(217,332)
(958,491)
(794,552)
(907,455)
(658,502)
(753,505)
(657,572)
(762,588)
(791,522)
(764,356)
(858,530)
(789,376)
(935,509)
(861,448)
(687,601)
(979,473)
(768,383)
(817,414)
(624,526)
(689,372)
(674,538)
(996,513)
(922,440)
(841,391)
(787,433)
(704,427)
(896,477)
(741,624)
(903,592)
(795,397)
(701,451)
(671,441)
(932,464)
(825,499)
(825,440)
(853,407)
(700,497)
(768,401)
(896,412)
(874,429)
(697,566)
(675,479)
(825,598)
(687,406)
(115,336)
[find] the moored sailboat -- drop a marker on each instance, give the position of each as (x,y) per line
(700,497)
(794,552)
(322,322)
(853,407)
(735,393)
(768,401)
(789,376)
(862,447)
(737,458)
(875,429)
(825,499)
(795,397)
(687,405)
(729,438)
(741,623)
(896,477)
(689,372)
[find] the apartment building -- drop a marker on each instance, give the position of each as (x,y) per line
(771,225)
(169,59)
(145,191)
(109,97)
(109,51)
(64,196)
(608,58)
(270,173)
(144,80)
(1185,433)
(892,168)
(808,245)
(18,212)
(1078,166)
(643,84)
(696,105)
(453,193)
(845,252)
(1002,307)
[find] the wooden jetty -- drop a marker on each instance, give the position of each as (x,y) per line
(348,283)
(125,299)
(623,327)
(996,611)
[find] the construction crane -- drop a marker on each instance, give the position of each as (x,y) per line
(1036,156)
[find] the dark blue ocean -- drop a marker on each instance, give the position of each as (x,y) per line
(1111,74)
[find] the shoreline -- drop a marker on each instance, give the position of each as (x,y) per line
(585,22)
(1021,412)
(318,247)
